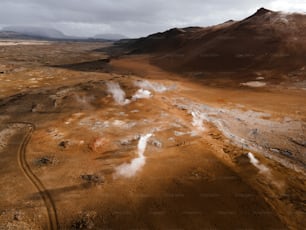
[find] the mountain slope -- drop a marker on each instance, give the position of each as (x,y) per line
(13,35)
(112,37)
(36,31)
(265,40)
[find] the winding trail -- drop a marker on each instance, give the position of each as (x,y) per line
(25,167)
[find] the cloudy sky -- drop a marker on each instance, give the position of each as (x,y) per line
(132,18)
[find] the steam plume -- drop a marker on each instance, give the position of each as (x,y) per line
(129,170)
(117,93)
(254,161)
(142,94)
(156,87)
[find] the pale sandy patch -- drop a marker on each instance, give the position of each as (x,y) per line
(255,84)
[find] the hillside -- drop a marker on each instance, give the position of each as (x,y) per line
(266,40)
(112,37)
(39,32)
(13,35)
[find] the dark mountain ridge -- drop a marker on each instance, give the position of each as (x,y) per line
(265,40)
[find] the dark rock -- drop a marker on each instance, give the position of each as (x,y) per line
(92,179)
(262,11)
(254,131)
(45,160)
(63,144)
(281,151)
(85,221)
(286,153)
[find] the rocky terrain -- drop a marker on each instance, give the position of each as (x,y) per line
(93,140)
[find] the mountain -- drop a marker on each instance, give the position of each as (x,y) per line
(265,40)
(13,35)
(31,32)
(112,37)
(39,32)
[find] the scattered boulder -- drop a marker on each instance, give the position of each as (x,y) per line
(286,153)
(18,216)
(85,220)
(45,161)
(92,179)
(254,132)
(63,144)
(156,143)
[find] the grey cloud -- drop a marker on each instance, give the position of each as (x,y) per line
(130,17)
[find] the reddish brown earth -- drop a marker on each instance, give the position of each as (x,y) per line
(227,149)
(63,137)
(269,42)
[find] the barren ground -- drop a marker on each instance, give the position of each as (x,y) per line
(223,154)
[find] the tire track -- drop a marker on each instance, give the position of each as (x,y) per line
(25,167)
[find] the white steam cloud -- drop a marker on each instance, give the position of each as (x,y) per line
(142,94)
(120,96)
(117,93)
(129,170)
(266,171)
(156,87)
(254,161)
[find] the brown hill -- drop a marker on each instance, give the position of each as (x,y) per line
(267,40)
